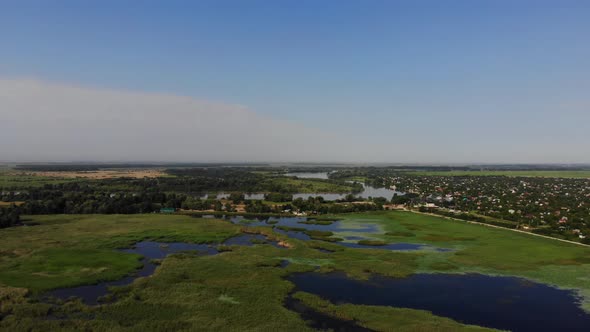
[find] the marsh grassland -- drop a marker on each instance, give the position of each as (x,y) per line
(245,287)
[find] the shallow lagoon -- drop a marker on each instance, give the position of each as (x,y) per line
(337,227)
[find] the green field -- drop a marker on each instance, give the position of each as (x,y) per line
(12,181)
(546,174)
(240,288)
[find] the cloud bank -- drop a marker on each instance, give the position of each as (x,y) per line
(43,121)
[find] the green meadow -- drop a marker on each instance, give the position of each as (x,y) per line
(239,288)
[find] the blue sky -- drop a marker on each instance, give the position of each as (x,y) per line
(488,80)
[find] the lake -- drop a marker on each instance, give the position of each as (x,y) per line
(508,303)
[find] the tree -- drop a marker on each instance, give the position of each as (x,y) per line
(9,216)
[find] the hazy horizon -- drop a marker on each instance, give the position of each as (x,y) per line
(172,163)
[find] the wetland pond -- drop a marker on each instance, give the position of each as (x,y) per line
(507,303)
(296,228)
(150,250)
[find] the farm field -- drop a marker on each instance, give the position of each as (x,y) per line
(238,288)
(10,178)
(103,174)
(5,204)
(17,180)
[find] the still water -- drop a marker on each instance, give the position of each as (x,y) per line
(507,303)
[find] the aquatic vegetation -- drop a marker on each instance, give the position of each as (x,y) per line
(316,233)
(372,242)
(224,248)
(382,318)
(311,233)
(323,246)
(308,261)
(289,228)
(228,299)
(400,233)
(327,239)
(316,222)
(248,221)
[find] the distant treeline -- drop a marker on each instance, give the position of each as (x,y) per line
(313,205)
(43,201)
(231,179)
(212,179)
(186,180)
(127,196)
(189,180)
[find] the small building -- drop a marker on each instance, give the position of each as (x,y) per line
(167,210)
(394,207)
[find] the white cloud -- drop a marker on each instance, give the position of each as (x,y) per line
(43,121)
